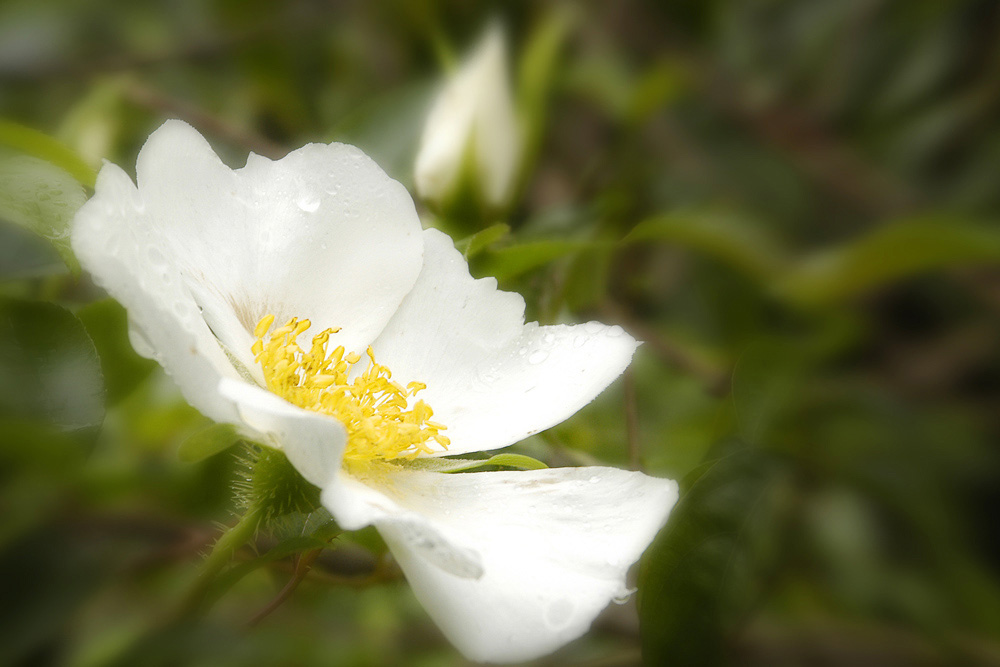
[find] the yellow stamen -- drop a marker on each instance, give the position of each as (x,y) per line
(372,407)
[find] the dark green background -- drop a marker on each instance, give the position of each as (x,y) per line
(793,203)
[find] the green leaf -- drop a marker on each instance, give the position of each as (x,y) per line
(49,366)
(23,254)
(703,572)
(518,461)
(888,254)
(41,197)
(471,246)
(734,241)
(107,325)
(208,442)
(40,145)
(536,72)
(516,260)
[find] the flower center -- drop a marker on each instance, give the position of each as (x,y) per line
(371,406)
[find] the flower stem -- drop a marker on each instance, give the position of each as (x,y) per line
(221,554)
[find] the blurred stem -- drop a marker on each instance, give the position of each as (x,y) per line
(632,421)
(302,567)
(222,553)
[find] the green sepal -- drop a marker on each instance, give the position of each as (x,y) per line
(272,487)
(517,461)
(207,442)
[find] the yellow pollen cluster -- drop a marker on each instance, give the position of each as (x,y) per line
(371,406)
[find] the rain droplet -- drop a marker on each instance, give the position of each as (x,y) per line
(538,356)
(549,338)
(624,596)
(579,341)
(592,327)
(309,203)
(615,331)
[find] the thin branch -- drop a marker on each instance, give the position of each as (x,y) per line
(151,99)
(302,567)
(716,380)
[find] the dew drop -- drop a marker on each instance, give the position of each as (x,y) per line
(579,341)
(624,596)
(549,338)
(592,327)
(538,356)
(309,203)
(615,331)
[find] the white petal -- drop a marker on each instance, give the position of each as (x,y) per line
(491,379)
(322,233)
(199,249)
(553,547)
(114,239)
(314,443)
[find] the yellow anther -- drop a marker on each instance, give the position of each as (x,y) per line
(372,407)
(262,326)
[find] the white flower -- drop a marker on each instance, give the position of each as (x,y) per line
(472,117)
(511,565)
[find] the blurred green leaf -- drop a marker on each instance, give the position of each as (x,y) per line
(471,246)
(537,68)
(735,241)
(703,572)
(664,82)
(888,254)
(23,254)
(40,145)
(516,260)
(208,442)
(50,367)
(107,325)
(41,197)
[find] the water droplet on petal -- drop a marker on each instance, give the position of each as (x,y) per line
(579,341)
(538,356)
(615,331)
(624,596)
(592,327)
(549,338)
(558,613)
(309,203)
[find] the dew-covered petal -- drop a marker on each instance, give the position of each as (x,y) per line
(322,233)
(511,565)
(115,240)
(314,443)
(491,379)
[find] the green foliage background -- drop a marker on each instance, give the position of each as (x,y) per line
(794,203)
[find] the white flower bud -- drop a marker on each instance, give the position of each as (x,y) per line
(472,119)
